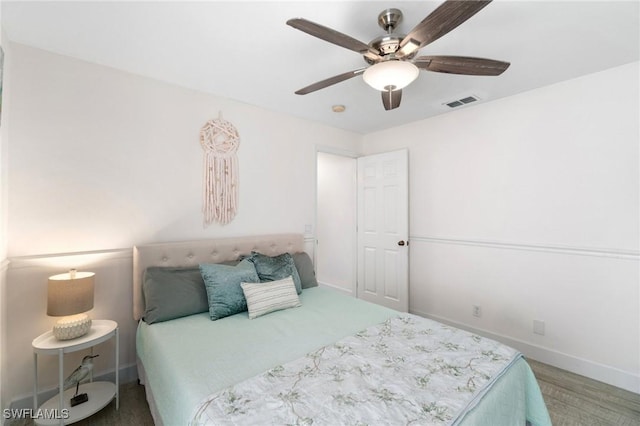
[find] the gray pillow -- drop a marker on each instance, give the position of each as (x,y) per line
(222,284)
(304,265)
(275,268)
(172,293)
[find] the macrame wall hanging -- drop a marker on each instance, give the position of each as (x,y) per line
(220,141)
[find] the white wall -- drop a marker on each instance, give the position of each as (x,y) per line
(529,207)
(4,263)
(336,222)
(100,160)
(111,159)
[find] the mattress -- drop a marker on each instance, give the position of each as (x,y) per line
(187,359)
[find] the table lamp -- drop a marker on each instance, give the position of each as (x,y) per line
(70,296)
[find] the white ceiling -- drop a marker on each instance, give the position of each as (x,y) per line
(245,51)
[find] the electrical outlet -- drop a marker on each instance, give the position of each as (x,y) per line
(538,327)
(477,311)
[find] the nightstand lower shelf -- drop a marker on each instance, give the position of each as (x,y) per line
(100,394)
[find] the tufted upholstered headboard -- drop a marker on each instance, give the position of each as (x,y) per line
(192,253)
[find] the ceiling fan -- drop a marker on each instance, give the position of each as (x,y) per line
(392,57)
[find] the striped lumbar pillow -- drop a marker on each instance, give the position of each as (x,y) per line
(263,298)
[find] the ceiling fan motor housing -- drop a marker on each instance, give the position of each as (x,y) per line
(387,45)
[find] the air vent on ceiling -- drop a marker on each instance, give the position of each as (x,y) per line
(463,101)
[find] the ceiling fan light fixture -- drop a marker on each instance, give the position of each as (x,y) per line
(390,75)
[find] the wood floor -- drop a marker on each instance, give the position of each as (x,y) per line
(572,400)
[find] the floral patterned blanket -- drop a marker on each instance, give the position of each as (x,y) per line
(408,370)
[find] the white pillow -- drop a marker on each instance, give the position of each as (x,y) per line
(263,298)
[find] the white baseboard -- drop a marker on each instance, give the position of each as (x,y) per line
(337,288)
(128,374)
(600,372)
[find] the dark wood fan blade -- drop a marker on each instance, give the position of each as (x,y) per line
(329,81)
(461,65)
(391,99)
(333,36)
(445,18)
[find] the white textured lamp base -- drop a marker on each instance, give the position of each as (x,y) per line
(72,327)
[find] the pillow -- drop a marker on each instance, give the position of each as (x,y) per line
(275,268)
(273,296)
(172,293)
(222,283)
(304,265)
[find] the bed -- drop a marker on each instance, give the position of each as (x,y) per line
(332,360)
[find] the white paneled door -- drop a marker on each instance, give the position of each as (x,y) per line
(383,229)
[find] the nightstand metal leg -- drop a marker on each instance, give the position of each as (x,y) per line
(61,382)
(35,381)
(91,371)
(117,368)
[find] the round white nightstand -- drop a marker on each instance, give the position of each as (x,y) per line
(100,393)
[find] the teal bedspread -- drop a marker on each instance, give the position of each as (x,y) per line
(187,359)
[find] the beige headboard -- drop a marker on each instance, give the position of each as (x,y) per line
(191,253)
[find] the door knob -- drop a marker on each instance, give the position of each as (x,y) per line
(400,243)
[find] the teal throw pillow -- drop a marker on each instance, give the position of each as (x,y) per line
(222,283)
(276,268)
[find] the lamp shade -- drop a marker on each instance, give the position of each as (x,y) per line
(70,293)
(390,75)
